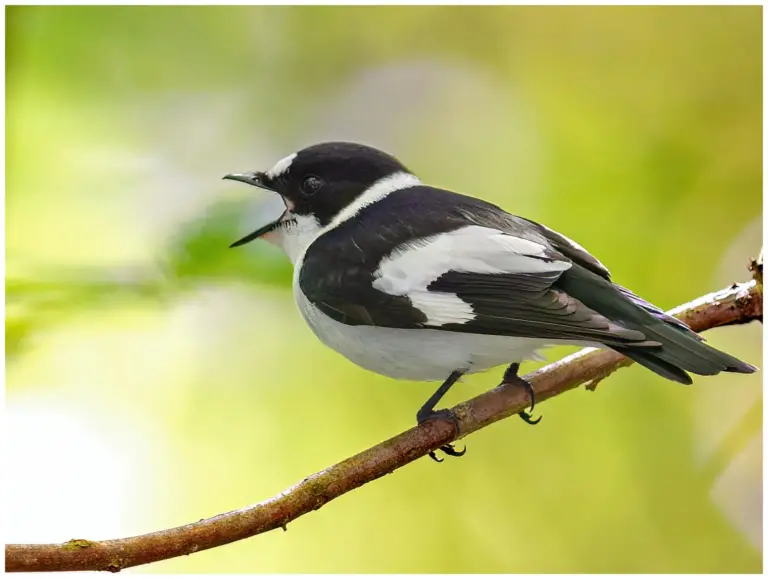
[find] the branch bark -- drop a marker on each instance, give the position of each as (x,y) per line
(739,304)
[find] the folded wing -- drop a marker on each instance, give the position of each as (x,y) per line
(481,280)
(472,279)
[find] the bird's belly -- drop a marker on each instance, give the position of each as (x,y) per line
(423,354)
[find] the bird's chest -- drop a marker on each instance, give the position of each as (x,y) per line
(358,343)
(388,351)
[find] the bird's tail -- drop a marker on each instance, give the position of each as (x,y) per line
(680,349)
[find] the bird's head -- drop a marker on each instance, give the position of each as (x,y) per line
(316,184)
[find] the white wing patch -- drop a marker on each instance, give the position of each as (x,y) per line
(280,167)
(412,267)
(471,249)
(442,308)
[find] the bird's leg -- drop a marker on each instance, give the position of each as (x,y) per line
(511,377)
(428,412)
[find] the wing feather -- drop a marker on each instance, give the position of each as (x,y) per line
(481,270)
(482,280)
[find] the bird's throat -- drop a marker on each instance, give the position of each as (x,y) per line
(294,238)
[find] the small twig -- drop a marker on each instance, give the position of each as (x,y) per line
(738,304)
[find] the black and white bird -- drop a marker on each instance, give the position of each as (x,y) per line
(419,283)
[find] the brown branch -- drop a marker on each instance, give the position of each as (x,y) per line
(738,304)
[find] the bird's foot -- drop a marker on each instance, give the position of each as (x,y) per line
(444,414)
(425,415)
(511,377)
(448,449)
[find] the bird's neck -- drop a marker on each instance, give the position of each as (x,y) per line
(295,239)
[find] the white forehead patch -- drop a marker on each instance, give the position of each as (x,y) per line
(280,167)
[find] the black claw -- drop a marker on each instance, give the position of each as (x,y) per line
(529,390)
(527,418)
(511,377)
(433,456)
(448,449)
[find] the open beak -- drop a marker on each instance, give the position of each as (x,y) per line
(259,232)
(256,179)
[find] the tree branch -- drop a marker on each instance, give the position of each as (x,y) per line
(739,304)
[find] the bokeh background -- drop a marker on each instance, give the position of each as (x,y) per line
(156,377)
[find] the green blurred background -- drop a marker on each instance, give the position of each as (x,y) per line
(155,377)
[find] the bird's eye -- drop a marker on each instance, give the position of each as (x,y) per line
(311,185)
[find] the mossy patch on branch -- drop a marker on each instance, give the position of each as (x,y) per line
(75,544)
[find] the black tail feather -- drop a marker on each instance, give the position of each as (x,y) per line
(681,350)
(685,350)
(673,360)
(650,360)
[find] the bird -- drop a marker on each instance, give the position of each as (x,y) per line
(420,283)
